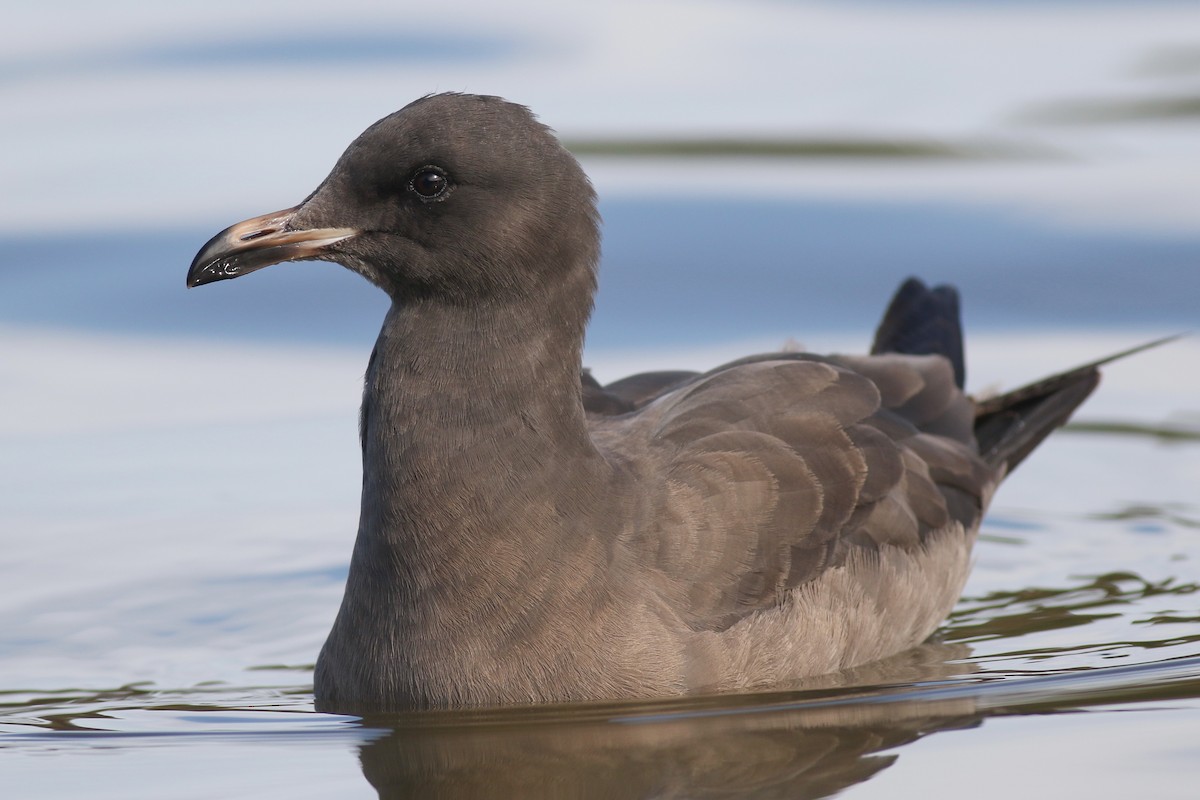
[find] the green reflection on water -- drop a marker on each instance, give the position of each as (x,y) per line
(806,147)
(1011,614)
(1165,431)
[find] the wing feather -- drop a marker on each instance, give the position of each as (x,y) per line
(778,469)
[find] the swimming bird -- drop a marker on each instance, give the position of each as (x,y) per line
(527,535)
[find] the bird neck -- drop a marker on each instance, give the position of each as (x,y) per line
(475,442)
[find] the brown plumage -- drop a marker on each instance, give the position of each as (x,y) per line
(528,535)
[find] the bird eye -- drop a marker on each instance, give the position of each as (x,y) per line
(429,182)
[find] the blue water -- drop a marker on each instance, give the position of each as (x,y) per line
(675,272)
(346,48)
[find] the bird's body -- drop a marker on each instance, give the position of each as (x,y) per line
(531,554)
(526,536)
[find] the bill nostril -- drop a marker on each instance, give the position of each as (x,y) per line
(258,234)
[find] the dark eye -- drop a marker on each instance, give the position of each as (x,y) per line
(429,182)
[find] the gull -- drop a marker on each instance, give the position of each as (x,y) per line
(527,535)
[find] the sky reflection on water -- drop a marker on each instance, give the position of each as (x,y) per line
(676,272)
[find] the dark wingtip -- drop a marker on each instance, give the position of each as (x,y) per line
(1011,426)
(1008,427)
(923,321)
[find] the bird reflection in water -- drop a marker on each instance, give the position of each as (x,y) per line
(825,736)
